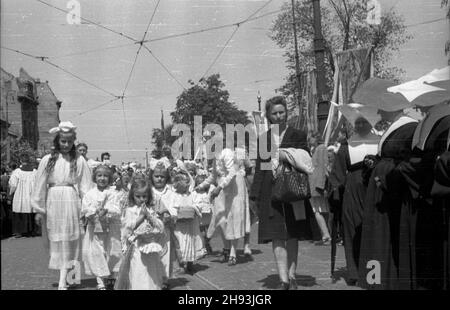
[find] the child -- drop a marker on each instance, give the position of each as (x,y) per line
(202,199)
(62,180)
(143,234)
(121,185)
(101,243)
(187,228)
(159,175)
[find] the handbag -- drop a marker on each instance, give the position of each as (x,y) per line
(291,185)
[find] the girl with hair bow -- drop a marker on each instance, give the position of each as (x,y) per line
(62,180)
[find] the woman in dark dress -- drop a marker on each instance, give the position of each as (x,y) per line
(420,246)
(277,221)
(378,261)
(349,163)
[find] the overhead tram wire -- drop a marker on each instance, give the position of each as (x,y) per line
(45,60)
(91,51)
(96,107)
(91,22)
(164,67)
(184,34)
(232,35)
(220,53)
(132,69)
(257,11)
(139,49)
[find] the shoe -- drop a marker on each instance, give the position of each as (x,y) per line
(284,286)
(247,252)
(189,269)
(232,261)
(226,255)
(326,241)
(292,284)
(352,282)
(62,288)
(101,288)
(209,250)
(110,284)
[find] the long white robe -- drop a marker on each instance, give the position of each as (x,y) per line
(58,195)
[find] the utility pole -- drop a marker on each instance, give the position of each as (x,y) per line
(319,52)
(297,62)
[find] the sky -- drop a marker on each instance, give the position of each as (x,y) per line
(250,62)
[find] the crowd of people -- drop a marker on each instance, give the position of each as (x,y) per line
(388,192)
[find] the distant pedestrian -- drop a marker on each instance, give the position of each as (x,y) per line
(21,186)
(82,149)
(105,158)
(317,182)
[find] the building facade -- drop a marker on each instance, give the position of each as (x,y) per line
(29,108)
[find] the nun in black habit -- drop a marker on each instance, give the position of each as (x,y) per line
(378,261)
(420,238)
(441,198)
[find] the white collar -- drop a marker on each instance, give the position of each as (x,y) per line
(425,126)
(403,120)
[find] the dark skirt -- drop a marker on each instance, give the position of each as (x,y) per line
(23,223)
(280,224)
(379,237)
(352,214)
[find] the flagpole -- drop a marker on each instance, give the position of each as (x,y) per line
(162,127)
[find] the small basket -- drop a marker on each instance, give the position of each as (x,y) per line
(186,213)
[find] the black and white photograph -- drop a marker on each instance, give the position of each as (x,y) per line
(225,145)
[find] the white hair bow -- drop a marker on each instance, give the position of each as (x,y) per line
(162,161)
(63,127)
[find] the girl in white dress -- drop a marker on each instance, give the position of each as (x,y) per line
(101,243)
(162,192)
(143,235)
(62,180)
(231,207)
(187,229)
(202,200)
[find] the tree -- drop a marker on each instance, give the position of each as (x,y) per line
(210,100)
(159,140)
(343,27)
(17,147)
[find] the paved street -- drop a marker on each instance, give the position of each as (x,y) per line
(24,266)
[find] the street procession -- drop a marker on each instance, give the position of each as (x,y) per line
(225,145)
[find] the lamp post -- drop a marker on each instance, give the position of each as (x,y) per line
(259,101)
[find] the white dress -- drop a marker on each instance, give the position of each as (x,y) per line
(58,195)
(187,231)
(102,248)
(162,201)
(231,210)
(21,183)
(203,203)
(146,269)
